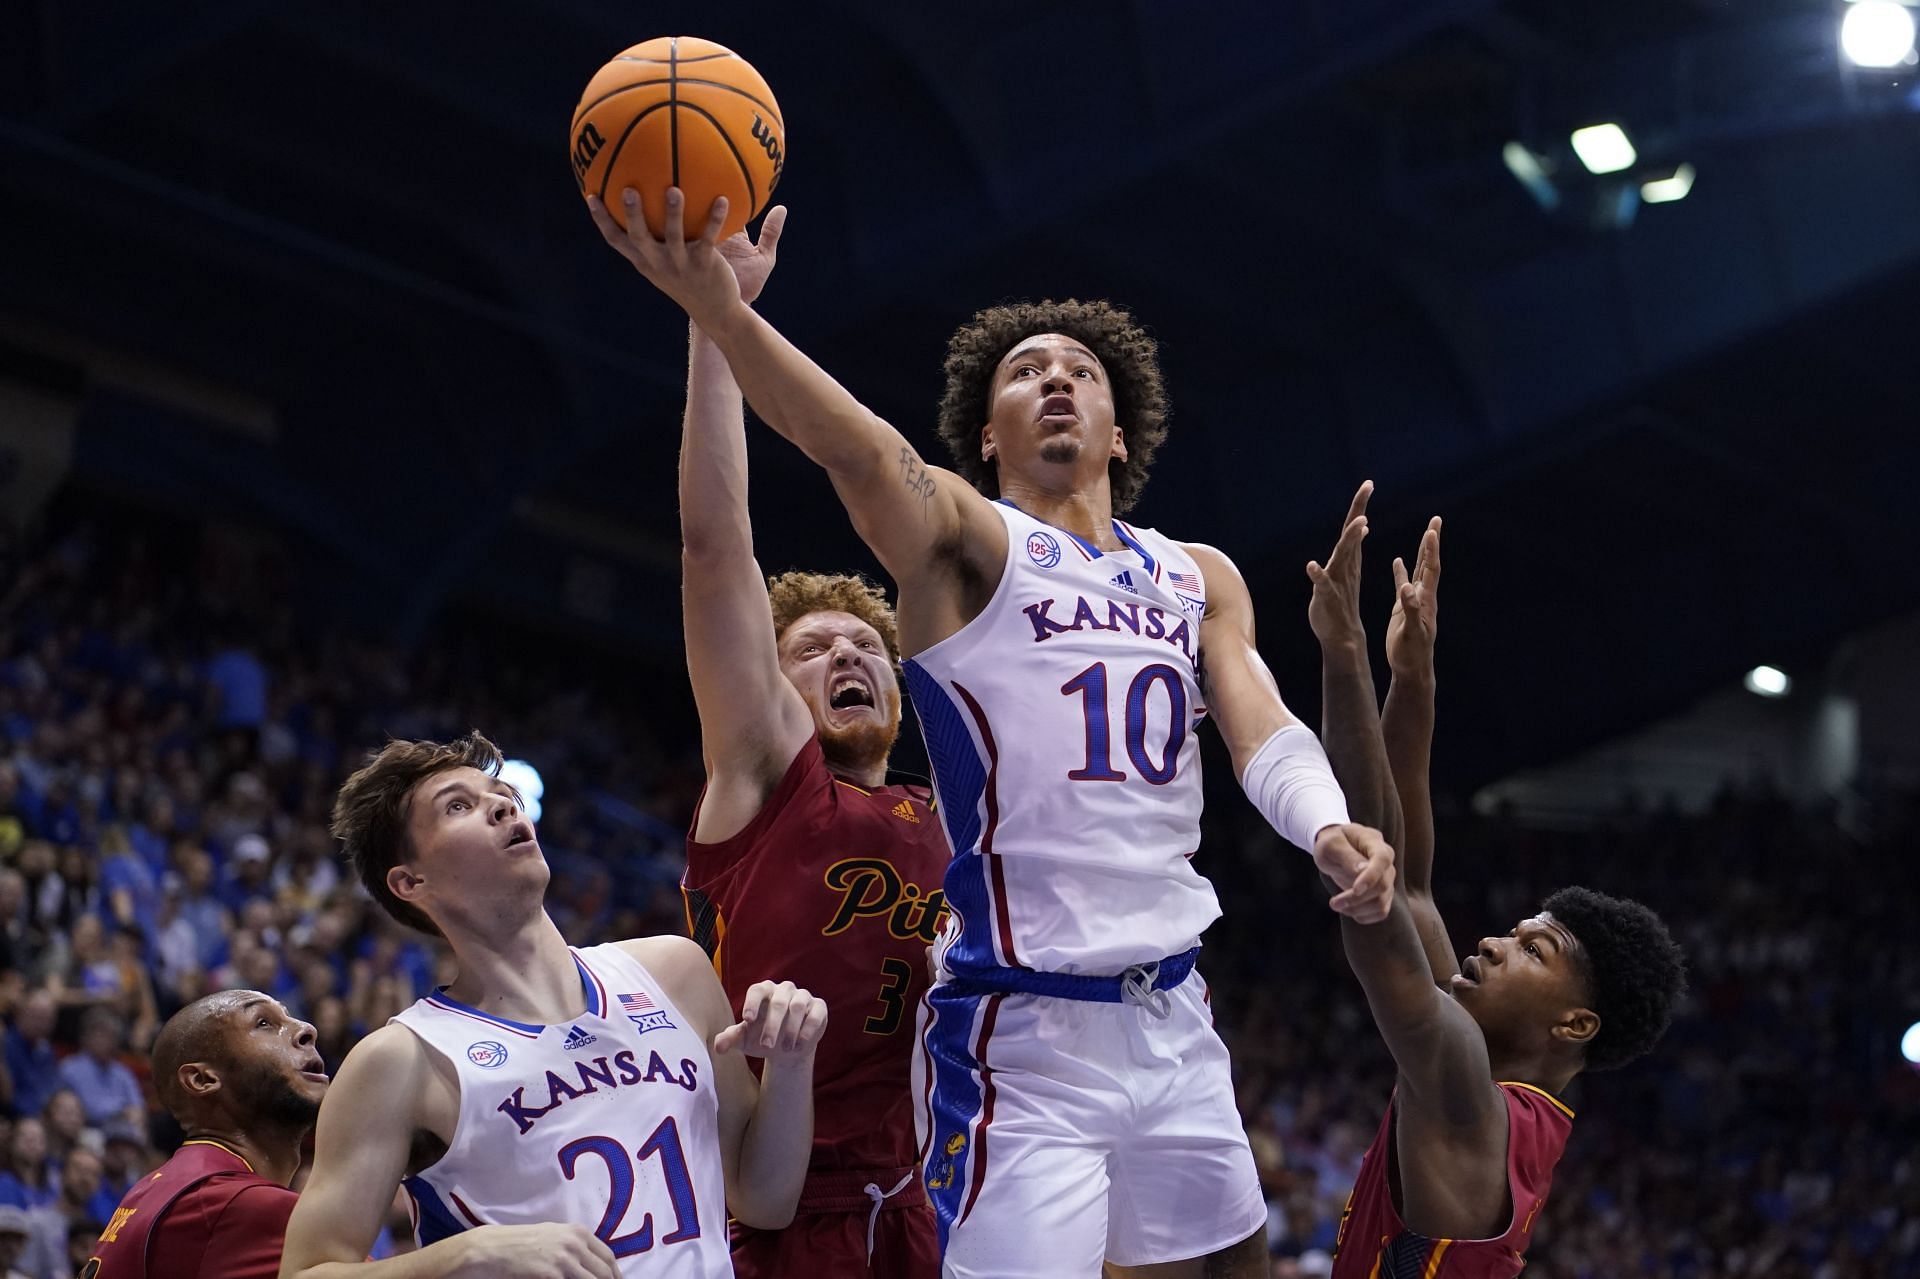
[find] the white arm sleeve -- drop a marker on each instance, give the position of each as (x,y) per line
(1290,781)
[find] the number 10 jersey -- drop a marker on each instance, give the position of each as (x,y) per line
(609,1121)
(1060,724)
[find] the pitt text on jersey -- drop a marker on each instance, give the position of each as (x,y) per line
(871,886)
(622,1068)
(1145,621)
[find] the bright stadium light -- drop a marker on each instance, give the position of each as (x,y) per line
(1530,173)
(1877,33)
(525,778)
(1910,1044)
(1670,188)
(1768,681)
(1604,148)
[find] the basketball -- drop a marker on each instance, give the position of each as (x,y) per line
(679,111)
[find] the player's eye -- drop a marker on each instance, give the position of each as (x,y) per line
(1085,373)
(1025,369)
(457,804)
(1533,948)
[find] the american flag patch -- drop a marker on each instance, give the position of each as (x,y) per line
(1187,581)
(637,1003)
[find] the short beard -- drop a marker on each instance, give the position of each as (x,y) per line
(864,745)
(273,1101)
(1060,449)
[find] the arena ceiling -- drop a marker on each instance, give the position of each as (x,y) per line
(324,265)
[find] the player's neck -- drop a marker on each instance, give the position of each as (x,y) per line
(1520,1068)
(1087,513)
(865,776)
(272,1152)
(527,975)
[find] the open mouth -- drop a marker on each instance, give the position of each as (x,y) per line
(522,834)
(1058,407)
(316,1070)
(847,693)
(1470,969)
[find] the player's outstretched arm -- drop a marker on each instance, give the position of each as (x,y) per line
(1407,724)
(752,722)
(361,1146)
(1280,763)
(916,518)
(766,1125)
(1350,717)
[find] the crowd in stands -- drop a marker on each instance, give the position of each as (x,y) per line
(172,733)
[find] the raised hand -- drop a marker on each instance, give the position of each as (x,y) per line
(1334,611)
(752,261)
(1358,859)
(778,1021)
(694,273)
(1416,608)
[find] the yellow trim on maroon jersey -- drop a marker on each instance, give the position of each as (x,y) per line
(208,1141)
(1515,1083)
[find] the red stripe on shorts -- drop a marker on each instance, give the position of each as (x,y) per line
(979,1155)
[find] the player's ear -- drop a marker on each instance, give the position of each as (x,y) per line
(986,442)
(1119,453)
(404,884)
(199,1078)
(1577,1027)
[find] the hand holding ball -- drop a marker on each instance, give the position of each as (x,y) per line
(679,111)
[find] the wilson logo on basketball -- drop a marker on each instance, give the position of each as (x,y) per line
(763,134)
(585,146)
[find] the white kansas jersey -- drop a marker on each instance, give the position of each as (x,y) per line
(609,1121)
(1060,724)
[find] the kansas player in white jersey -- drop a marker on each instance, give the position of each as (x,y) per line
(1076,1104)
(554,1113)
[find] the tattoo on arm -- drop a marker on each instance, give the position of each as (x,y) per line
(914,473)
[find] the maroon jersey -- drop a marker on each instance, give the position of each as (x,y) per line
(836,889)
(203,1214)
(1375,1244)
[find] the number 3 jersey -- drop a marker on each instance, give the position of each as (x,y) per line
(609,1121)
(1060,723)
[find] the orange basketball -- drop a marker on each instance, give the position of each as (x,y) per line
(685,112)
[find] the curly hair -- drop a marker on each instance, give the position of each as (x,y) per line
(1635,971)
(370,813)
(1126,351)
(794,594)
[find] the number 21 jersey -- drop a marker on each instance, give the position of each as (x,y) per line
(1060,724)
(609,1121)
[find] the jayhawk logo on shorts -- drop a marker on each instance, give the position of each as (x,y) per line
(943,1175)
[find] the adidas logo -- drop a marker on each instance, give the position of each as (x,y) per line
(578,1038)
(1124,580)
(904,811)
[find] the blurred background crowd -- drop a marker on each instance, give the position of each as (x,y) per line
(171,739)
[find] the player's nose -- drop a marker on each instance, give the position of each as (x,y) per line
(304,1035)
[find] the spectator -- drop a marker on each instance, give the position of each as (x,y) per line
(66,1123)
(26,1179)
(13,1243)
(29,1053)
(108,1090)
